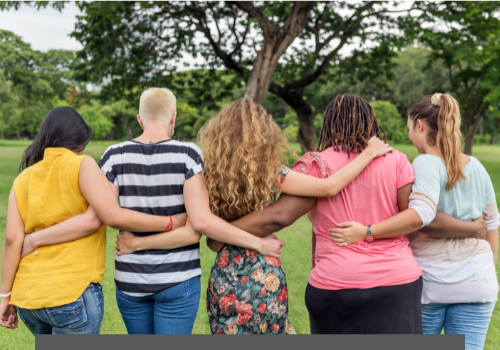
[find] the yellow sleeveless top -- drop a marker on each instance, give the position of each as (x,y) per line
(48,193)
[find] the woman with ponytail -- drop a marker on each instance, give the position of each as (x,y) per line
(460,284)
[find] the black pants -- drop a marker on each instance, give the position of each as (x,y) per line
(380,310)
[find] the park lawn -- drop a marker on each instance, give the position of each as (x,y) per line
(296,258)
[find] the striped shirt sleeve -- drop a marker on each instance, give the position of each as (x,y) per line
(194,160)
(106,165)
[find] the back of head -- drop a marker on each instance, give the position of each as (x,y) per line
(243,149)
(349,123)
(61,127)
(441,113)
(157,105)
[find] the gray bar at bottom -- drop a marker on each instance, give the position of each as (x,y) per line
(250,342)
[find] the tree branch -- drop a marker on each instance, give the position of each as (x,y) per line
(254,12)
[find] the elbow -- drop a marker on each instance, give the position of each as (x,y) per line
(199,224)
(111,220)
(332,190)
(281,220)
(94,224)
(12,242)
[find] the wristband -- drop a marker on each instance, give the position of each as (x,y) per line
(5,295)
(170,225)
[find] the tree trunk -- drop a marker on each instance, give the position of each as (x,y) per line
(307,133)
(275,43)
(471,129)
(263,70)
(469,141)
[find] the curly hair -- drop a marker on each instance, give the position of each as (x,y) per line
(349,123)
(244,149)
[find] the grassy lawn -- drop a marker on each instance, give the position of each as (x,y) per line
(296,258)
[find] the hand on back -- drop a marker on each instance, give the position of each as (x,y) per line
(348,233)
(378,147)
(481,228)
(271,246)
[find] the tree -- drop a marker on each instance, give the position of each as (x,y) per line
(281,47)
(8,103)
(101,126)
(412,78)
(36,78)
(467,42)
(389,118)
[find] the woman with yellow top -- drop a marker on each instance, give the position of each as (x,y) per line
(57,289)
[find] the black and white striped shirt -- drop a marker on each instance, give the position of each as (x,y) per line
(150,179)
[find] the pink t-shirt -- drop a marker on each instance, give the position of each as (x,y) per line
(370,198)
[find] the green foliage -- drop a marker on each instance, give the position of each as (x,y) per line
(8,105)
(36,79)
(467,42)
(188,121)
(390,120)
(100,125)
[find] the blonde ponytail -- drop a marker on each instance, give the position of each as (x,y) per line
(442,113)
(449,138)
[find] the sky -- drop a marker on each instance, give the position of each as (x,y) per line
(44,29)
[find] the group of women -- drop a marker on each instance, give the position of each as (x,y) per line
(396,248)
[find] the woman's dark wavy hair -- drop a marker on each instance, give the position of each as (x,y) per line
(61,127)
(349,122)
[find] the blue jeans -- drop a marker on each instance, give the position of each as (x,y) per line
(171,311)
(83,316)
(471,319)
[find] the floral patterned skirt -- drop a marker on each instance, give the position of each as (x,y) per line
(247,294)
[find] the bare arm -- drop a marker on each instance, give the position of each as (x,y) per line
(127,242)
(276,216)
(96,189)
(298,184)
(492,238)
(444,225)
(273,218)
(11,255)
(198,210)
(75,228)
(69,230)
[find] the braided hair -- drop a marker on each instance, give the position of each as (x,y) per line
(349,122)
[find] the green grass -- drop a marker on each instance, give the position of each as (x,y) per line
(296,258)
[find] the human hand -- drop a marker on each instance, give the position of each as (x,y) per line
(8,314)
(270,246)
(480,228)
(179,220)
(348,233)
(27,246)
(126,243)
(378,147)
(214,245)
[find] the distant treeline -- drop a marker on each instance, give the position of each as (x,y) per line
(33,82)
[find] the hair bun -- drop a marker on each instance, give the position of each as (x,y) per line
(436,99)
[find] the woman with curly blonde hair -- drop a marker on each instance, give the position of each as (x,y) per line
(244,151)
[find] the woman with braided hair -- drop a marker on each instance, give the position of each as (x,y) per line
(366,287)
(460,285)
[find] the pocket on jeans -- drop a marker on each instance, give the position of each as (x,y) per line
(178,291)
(68,316)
